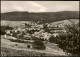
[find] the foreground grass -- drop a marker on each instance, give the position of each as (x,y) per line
(14,52)
(8,48)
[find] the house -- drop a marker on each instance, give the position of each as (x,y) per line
(8,32)
(42,34)
(5,36)
(55,34)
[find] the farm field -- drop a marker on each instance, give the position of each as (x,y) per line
(9,49)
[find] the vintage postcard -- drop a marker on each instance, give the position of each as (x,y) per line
(39,28)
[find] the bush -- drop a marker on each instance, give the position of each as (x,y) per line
(52,39)
(69,41)
(28,46)
(17,40)
(39,45)
(36,38)
(3,32)
(4,28)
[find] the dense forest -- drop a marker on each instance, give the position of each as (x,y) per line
(43,16)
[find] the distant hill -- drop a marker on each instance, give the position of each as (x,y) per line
(44,16)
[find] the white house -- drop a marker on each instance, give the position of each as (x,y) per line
(55,34)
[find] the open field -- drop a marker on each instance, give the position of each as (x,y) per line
(18,23)
(14,52)
(8,48)
(12,23)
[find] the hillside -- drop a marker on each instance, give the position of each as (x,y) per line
(18,23)
(8,48)
(66,22)
(45,16)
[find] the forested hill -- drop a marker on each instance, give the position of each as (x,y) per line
(45,16)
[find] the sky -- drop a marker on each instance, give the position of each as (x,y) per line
(39,6)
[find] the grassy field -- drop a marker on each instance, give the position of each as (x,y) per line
(53,46)
(13,52)
(18,23)
(8,48)
(12,23)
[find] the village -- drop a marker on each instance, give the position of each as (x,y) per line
(31,29)
(28,32)
(39,28)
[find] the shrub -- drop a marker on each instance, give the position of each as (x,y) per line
(4,28)
(36,38)
(39,45)
(28,46)
(52,39)
(3,32)
(69,42)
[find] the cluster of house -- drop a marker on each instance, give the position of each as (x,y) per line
(40,33)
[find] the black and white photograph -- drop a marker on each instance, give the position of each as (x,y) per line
(40,28)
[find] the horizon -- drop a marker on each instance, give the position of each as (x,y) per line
(39,6)
(40,12)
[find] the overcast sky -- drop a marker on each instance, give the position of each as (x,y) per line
(39,6)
